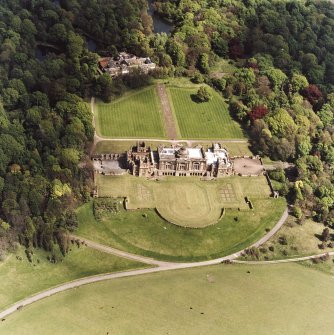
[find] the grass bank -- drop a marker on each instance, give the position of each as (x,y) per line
(280,299)
(20,278)
(144,232)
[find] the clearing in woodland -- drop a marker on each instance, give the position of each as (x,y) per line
(137,114)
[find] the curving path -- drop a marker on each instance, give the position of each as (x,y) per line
(159,266)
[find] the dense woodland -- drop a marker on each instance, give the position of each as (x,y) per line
(281,90)
(45,124)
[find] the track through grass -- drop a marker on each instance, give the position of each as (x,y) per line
(20,278)
(279,299)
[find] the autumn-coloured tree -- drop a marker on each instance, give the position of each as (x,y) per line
(312,93)
(258,112)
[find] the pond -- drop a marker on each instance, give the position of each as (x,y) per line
(91,45)
(159,25)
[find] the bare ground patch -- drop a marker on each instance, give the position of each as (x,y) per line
(248,166)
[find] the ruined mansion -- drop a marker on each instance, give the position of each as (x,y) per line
(179,161)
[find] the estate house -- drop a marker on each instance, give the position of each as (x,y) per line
(124,62)
(179,161)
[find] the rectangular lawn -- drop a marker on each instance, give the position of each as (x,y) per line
(137,114)
(207,120)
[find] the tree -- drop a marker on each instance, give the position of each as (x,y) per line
(203,94)
(104,87)
(219,45)
(325,235)
(175,51)
(75,45)
(326,115)
(298,82)
(59,189)
(281,123)
(312,93)
(245,76)
(197,78)
(258,112)
(203,63)
(277,78)
(4,122)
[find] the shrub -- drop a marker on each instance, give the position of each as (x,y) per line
(197,78)
(203,94)
(322,245)
(282,240)
(297,212)
(105,208)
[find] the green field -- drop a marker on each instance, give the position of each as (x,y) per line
(188,201)
(136,114)
(285,299)
(208,120)
(20,279)
(145,233)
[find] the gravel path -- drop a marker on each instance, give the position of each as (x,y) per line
(98,138)
(159,266)
(287,260)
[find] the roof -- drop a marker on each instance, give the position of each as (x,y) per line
(195,153)
(104,62)
(167,153)
(212,157)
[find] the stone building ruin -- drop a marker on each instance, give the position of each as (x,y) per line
(179,161)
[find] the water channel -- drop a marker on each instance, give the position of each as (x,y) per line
(159,25)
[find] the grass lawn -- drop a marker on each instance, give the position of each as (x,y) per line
(136,114)
(144,232)
(208,120)
(234,148)
(280,299)
(187,201)
(19,278)
(223,68)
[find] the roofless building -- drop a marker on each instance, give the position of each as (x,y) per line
(179,161)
